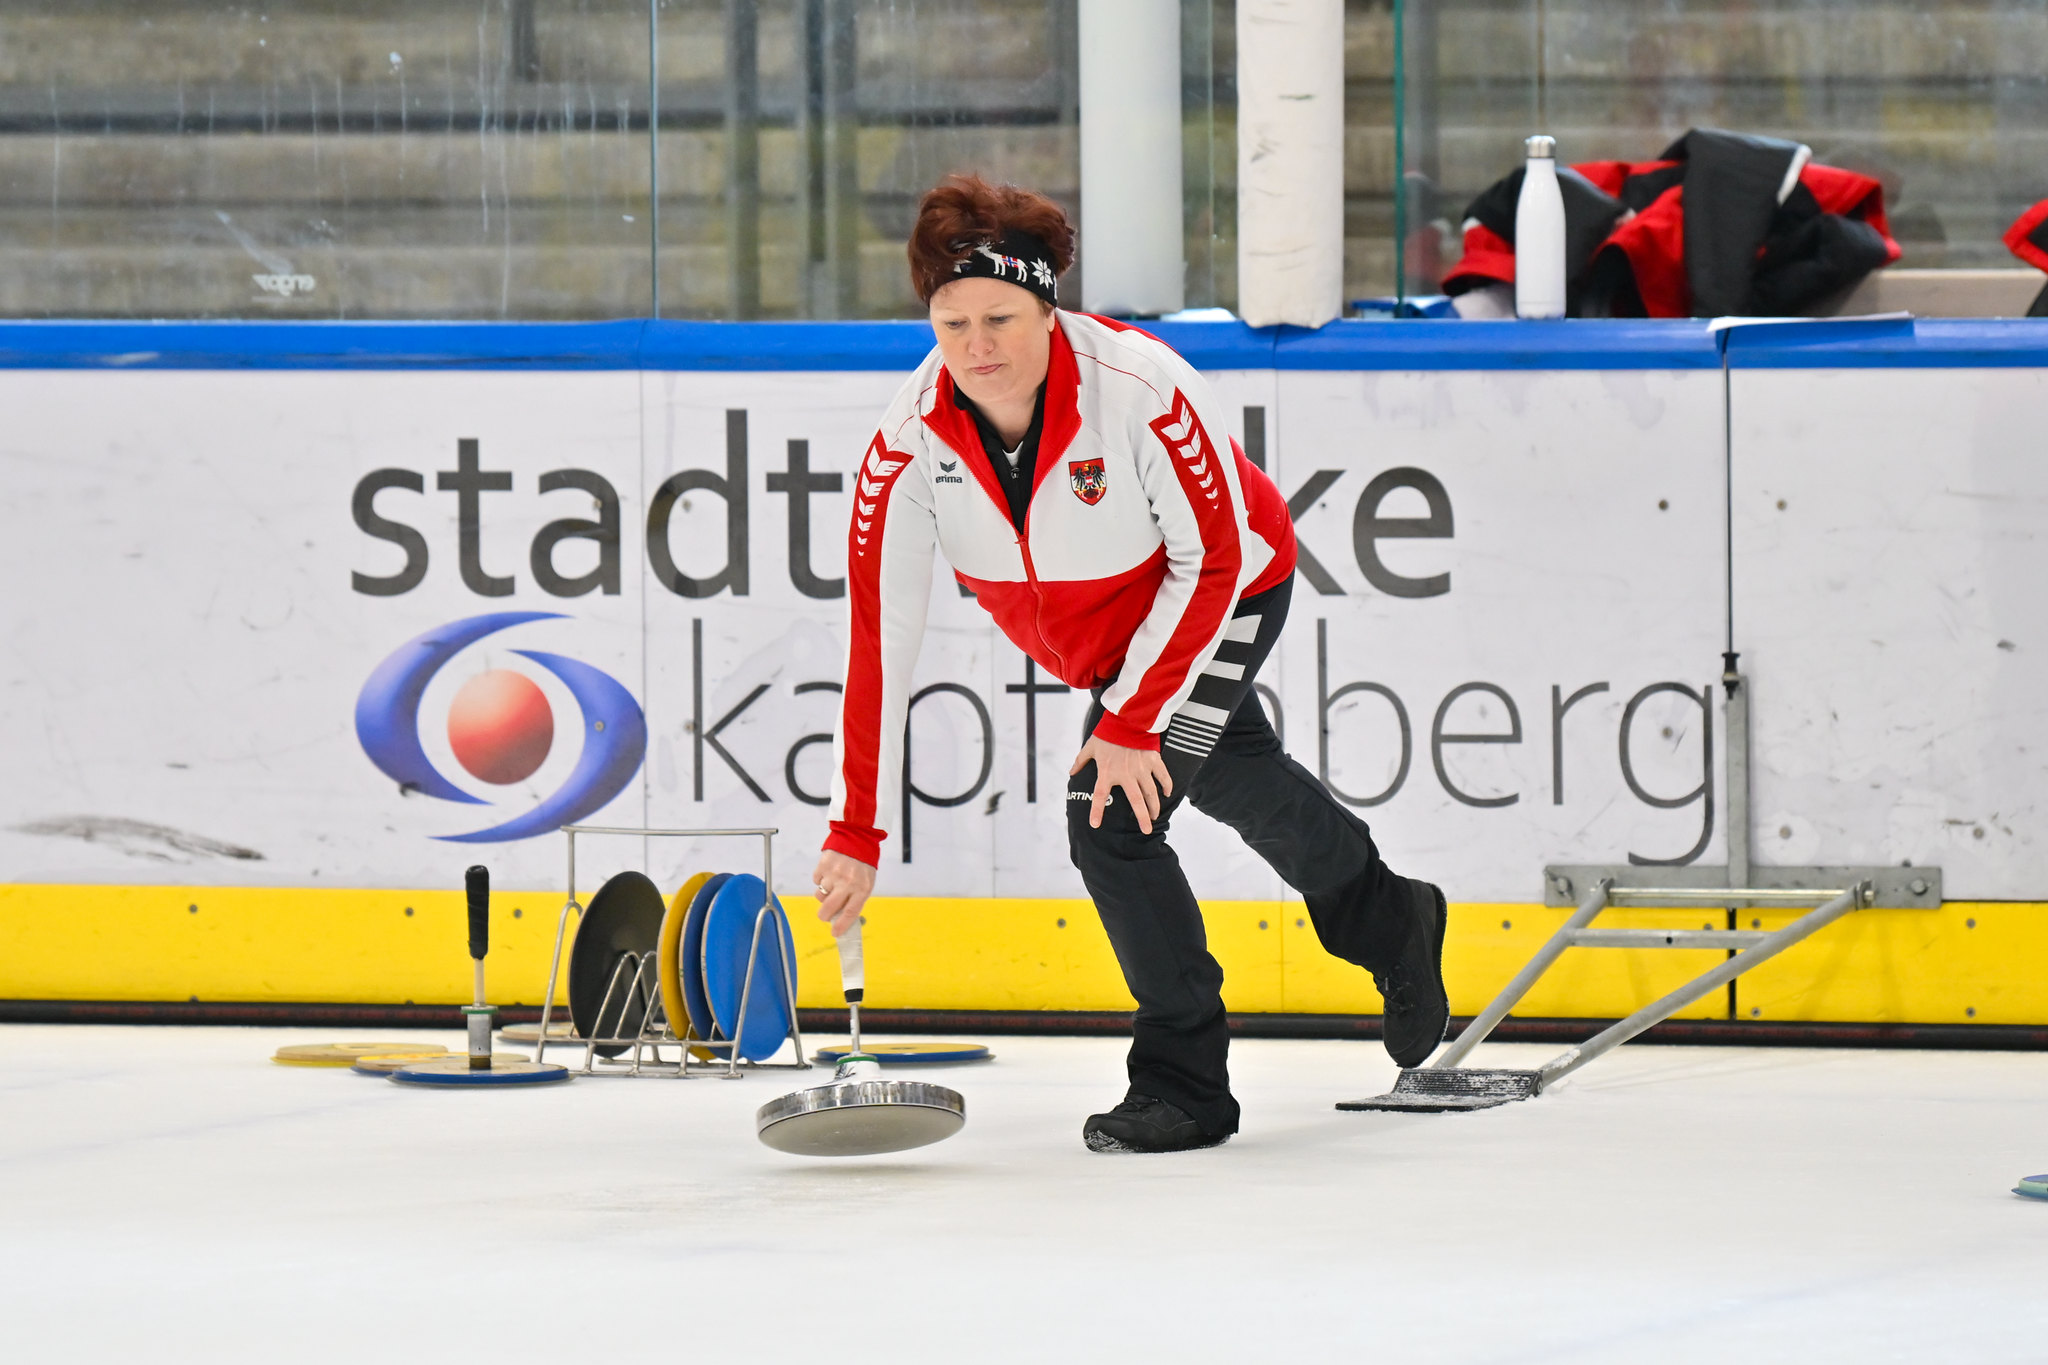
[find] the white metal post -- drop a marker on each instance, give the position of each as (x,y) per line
(1131,242)
(1290,161)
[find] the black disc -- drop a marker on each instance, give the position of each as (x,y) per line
(623,917)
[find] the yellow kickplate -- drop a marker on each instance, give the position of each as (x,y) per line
(257,944)
(1966,963)
(1970,962)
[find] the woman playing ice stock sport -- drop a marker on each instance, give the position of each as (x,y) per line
(1078,476)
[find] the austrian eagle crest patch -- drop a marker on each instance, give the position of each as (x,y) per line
(1090,480)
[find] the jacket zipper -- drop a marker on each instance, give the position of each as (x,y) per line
(1037,596)
(1024,547)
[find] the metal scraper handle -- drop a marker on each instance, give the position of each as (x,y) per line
(852,977)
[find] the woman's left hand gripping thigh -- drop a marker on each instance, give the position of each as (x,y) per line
(1140,772)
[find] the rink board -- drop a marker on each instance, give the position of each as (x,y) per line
(1504,655)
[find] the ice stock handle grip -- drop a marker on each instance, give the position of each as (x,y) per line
(851,975)
(477,882)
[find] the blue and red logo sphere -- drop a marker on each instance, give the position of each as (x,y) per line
(500,727)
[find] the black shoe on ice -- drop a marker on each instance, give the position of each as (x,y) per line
(1418,1011)
(1143,1124)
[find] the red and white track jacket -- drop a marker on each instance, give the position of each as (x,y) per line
(1146,527)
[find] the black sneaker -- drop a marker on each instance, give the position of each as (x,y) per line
(1143,1124)
(1418,1011)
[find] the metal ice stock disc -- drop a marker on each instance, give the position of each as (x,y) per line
(861,1118)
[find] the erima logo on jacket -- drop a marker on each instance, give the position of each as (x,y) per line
(946,474)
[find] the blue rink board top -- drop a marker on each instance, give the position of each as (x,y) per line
(1889,343)
(896,347)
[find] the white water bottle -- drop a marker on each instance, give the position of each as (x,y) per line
(1539,235)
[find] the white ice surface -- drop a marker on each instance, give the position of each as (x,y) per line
(168,1193)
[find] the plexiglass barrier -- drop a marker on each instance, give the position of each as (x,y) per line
(763,158)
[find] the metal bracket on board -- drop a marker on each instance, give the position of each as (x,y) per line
(1892,888)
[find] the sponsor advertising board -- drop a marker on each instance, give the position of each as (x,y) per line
(306,628)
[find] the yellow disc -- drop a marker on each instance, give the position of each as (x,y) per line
(342,1054)
(669,955)
(391,1061)
(560,1033)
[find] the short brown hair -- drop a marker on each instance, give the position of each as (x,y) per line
(963,210)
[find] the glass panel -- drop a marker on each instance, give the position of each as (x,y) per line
(796,137)
(1947,105)
(1373,143)
(491,158)
(854,109)
(323,158)
(1209,156)
(1467,100)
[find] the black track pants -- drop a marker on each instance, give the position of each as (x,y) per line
(1223,755)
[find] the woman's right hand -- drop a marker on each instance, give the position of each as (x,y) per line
(844,885)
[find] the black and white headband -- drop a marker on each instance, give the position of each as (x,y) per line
(1016,258)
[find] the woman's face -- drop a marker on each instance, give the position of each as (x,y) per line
(995,338)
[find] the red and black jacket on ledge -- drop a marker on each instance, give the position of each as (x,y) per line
(1721,225)
(2028,239)
(1144,527)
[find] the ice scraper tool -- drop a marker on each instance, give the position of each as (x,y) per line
(857,1113)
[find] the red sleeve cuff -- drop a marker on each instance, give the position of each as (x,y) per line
(1116,730)
(859,842)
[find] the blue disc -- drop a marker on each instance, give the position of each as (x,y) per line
(911,1054)
(455,1071)
(691,967)
(728,936)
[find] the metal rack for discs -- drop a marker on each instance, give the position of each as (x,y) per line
(637,976)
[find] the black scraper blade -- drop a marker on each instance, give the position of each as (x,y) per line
(1445,1090)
